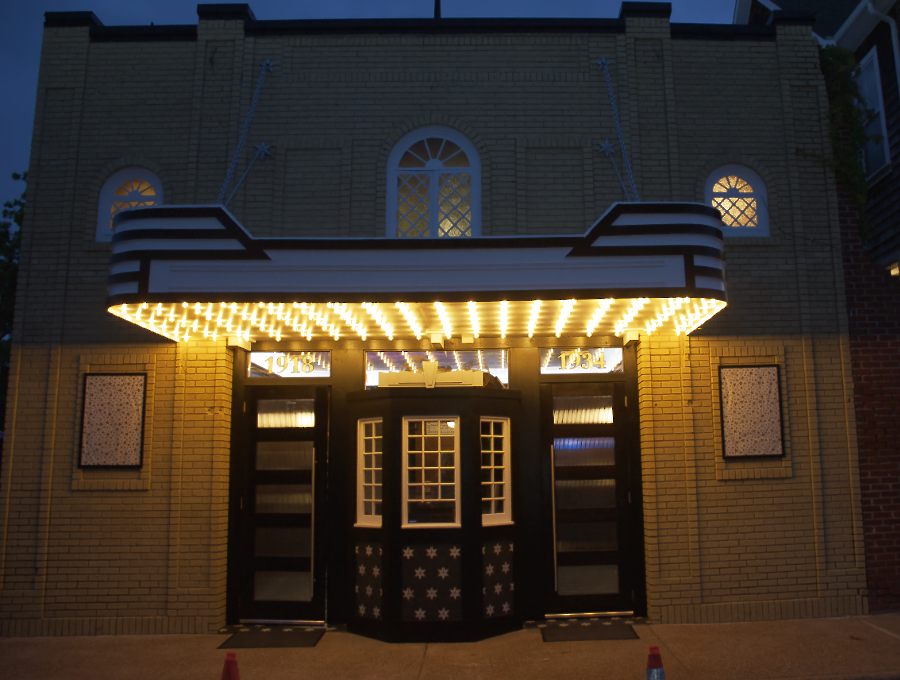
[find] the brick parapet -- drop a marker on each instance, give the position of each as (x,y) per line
(873,298)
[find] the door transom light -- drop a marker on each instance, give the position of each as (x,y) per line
(192,272)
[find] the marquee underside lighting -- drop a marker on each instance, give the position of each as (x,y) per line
(298,320)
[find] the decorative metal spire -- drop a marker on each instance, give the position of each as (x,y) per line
(604,66)
(437,9)
(261,152)
(266,68)
(608,149)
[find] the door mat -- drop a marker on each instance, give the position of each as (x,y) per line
(261,637)
(579,630)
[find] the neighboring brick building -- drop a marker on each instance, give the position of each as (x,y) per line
(872,271)
(655,452)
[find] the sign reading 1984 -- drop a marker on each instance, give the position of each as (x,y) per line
(290,365)
(563,360)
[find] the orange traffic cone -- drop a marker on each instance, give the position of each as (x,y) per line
(230,672)
(654,665)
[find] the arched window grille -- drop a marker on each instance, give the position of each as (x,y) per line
(739,195)
(126,189)
(434,186)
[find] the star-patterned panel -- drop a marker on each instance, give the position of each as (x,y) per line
(499,582)
(369,580)
(432,579)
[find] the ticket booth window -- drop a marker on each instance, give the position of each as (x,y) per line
(431,472)
(496,504)
(369,499)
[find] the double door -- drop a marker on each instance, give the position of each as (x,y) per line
(278,556)
(590,479)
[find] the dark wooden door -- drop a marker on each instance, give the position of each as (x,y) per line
(588,489)
(282,504)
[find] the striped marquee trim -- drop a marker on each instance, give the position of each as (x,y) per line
(166,253)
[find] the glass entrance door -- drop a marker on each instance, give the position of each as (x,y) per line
(589,497)
(282,505)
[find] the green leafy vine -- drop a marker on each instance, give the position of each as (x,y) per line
(847,120)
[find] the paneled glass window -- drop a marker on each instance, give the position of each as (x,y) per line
(739,195)
(434,188)
(496,505)
(431,472)
(877,153)
(368,504)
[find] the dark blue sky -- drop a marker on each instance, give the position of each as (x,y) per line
(22,21)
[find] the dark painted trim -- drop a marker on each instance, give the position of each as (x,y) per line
(420,296)
(579,244)
(170,234)
(255,249)
(721,32)
(709,272)
(173,33)
(690,279)
(231,227)
(637,251)
(604,226)
(144,281)
(382,243)
(71,20)
(662,10)
(124,277)
(149,255)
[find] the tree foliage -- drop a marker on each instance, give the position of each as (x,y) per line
(10,238)
(847,120)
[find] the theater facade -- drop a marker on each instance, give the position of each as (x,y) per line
(429,328)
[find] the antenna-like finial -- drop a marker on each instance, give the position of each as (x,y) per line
(437,9)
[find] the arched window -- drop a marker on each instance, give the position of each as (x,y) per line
(129,188)
(739,195)
(434,185)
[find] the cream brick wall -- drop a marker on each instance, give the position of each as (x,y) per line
(93,551)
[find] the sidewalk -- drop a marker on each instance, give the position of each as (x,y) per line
(854,647)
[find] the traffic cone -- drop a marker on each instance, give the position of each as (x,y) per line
(654,665)
(230,672)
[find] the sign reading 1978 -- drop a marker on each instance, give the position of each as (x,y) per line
(562,360)
(290,365)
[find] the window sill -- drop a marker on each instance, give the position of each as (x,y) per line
(431,526)
(504,523)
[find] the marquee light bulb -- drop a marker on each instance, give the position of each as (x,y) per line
(445,319)
(535,311)
(564,310)
(473,318)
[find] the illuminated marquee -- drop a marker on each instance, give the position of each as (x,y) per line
(191,272)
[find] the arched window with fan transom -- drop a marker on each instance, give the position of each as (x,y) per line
(739,195)
(126,189)
(434,186)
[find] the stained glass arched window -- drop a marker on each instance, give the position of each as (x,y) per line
(126,189)
(434,186)
(739,195)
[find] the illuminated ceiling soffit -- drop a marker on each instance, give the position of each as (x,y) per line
(190,272)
